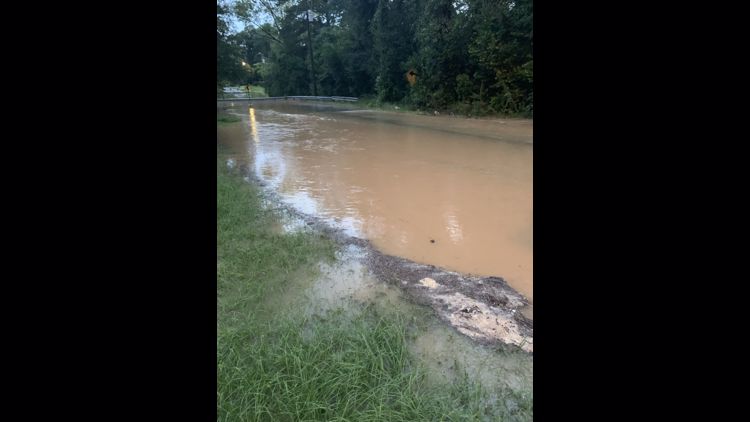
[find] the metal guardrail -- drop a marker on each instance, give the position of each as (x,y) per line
(289,97)
(309,97)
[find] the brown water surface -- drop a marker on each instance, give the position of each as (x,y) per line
(455,193)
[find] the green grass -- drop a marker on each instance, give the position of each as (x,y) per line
(280,365)
(372,103)
(253,260)
(257,91)
(227,118)
(327,369)
(474,110)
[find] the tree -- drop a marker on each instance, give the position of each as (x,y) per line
(393,35)
(440,56)
(229,68)
(357,45)
(502,53)
(466,55)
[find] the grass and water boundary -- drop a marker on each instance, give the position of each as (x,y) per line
(280,364)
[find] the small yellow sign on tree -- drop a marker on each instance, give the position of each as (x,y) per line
(411,76)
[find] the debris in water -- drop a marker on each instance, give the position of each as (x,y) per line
(428,282)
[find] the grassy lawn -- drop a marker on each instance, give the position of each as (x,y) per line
(255,91)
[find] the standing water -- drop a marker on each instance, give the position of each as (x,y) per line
(454,193)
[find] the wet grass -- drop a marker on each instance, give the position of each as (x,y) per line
(280,365)
(227,118)
(255,261)
(463,110)
(257,91)
(327,369)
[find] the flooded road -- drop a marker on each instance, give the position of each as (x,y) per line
(450,192)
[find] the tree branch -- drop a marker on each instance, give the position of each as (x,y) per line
(271,12)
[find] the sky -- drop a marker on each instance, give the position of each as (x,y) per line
(235,25)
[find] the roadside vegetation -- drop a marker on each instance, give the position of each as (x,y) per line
(468,57)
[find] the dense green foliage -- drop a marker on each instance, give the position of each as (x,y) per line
(228,54)
(469,56)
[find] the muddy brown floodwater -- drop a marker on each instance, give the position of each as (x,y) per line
(450,192)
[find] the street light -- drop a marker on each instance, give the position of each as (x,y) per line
(247,87)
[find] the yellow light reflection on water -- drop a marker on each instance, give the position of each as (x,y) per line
(253,125)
